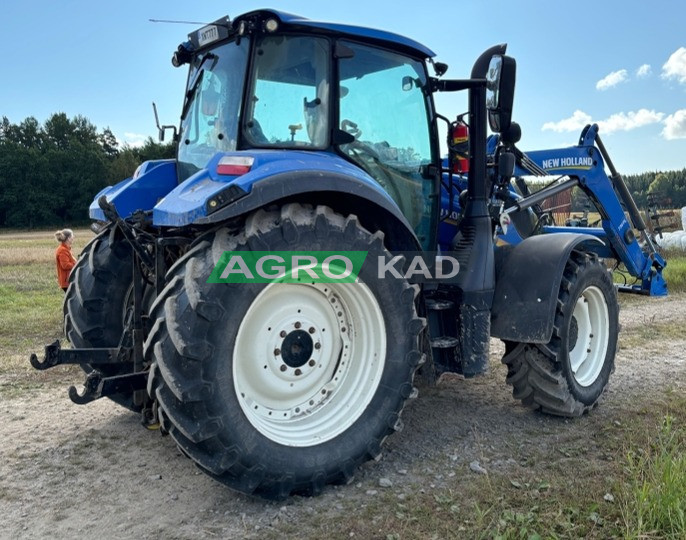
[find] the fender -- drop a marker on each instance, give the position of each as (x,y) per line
(528,278)
(207,197)
(151,181)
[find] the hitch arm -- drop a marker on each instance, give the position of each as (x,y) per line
(56,356)
(97,386)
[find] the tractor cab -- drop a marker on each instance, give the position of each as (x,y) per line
(271,81)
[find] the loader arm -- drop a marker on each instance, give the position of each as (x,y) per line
(584,166)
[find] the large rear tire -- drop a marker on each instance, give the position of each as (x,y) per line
(98,296)
(282,388)
(568,375)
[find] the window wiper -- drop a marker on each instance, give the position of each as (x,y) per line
(191,93)
(196,83)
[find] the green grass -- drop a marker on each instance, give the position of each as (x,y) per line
(675,272)
(654,504)
(30,306)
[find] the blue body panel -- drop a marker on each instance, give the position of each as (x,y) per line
(361,32)
(186,204)
(152,181)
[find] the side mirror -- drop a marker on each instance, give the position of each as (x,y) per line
(500,84)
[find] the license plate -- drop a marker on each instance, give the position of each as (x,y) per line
(208,34)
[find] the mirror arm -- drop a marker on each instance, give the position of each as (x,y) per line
(455,85)
(161,129)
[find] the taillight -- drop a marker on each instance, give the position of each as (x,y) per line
(234,165)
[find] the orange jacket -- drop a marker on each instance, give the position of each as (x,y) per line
(65,262)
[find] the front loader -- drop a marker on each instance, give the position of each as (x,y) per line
(300,138)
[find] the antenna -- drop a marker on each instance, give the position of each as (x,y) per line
(176,22)
(226,24)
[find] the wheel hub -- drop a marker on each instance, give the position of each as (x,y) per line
(573,333)
(296,349)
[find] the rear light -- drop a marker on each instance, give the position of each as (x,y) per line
(234,165)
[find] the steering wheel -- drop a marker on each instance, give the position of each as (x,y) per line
(351,128)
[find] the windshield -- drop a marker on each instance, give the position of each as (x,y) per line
(212,108)
(289,93)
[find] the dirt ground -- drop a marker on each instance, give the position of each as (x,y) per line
(68,470)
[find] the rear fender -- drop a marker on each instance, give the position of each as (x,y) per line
(528,278)
(208,198)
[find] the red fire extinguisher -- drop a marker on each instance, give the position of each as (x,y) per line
(459,145)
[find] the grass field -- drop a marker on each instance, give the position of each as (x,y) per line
(647,473)
(30,300)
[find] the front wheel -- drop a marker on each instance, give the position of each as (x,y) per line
(281,388)
(568,375)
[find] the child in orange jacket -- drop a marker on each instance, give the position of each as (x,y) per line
(63,257)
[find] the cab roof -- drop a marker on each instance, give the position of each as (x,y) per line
(381,37)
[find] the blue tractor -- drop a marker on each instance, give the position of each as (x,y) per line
(299,136)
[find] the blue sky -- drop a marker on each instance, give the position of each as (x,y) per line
(619,63)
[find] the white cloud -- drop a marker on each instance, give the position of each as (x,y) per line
(631,120)
(576,122)
(675,126)
(135,140)
(675,67)
(617,122)
(644,71)
(612,79)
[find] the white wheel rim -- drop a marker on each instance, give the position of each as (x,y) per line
(587,357)
(300,401)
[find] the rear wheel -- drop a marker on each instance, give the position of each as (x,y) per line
(97,299)
(281,388)
(568,375)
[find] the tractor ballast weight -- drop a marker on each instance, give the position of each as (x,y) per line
(305,137)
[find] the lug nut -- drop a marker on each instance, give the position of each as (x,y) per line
(283,367)
(311,330)
(311,363)
(298,372)
(317,346)
(277,352)
(283,333)
(298,325)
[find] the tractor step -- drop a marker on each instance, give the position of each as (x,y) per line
(444,343)
(443,329)
(435,304)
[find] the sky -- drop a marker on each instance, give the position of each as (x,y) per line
(621,64)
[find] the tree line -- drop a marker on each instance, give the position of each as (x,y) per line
(50,172)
